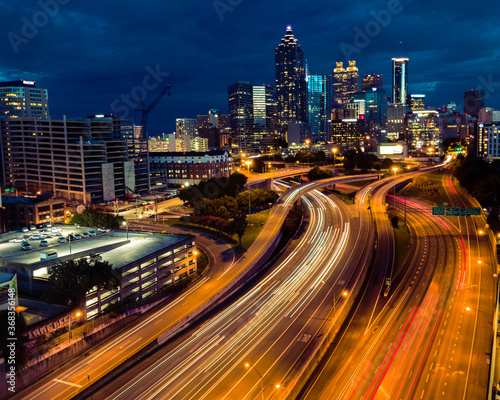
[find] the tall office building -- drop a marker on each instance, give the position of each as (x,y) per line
(214,119)
(488,141)
(83,160)
(347,134)
(319,103)
(372,107)
(397,121)
(291,88)
(345,82)
(186,126)
(253,116)
(424,133)
(473,102)
(23,99)
(399,80)
(372,80)
(416,101)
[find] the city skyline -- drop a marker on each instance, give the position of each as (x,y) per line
(200,54)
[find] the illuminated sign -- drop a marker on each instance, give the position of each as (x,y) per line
(391,149)
(28,82)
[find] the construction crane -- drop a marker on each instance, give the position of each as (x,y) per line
(145,110)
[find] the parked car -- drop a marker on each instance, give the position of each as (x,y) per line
(62,239)
(25,246)
(47,235)
(17,240)
(24,229)
(40,226)
(36,237)
(92,233)
(32,227)
(48,225)
(71,237)
(85,234)
(78,236)
(44,243)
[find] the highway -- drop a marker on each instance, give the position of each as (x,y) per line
(422,341)
(272,327)
(78,374)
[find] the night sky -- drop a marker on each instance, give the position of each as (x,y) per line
(90,56)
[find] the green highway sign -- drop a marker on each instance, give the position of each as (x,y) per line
(455,211)
(438,210)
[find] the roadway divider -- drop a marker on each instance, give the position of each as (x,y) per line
(188,321)
(326,336)
(251,271)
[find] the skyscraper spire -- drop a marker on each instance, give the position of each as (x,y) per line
(291,85)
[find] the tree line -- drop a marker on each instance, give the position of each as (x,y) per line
(222,203)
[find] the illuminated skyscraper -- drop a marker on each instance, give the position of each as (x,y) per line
(186,126)
(424,133)
(23,99)
(372,80)
(416,101)
(399,80)
(252,110)
(319,104)
(345,82)
(291,87)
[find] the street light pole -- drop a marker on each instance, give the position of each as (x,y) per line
(334,151)
(395,170)
(69,323)
(126,227)
(334,299)
(261,379)
(307,143)
(248,162)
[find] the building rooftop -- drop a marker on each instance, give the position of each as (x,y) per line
(112,246)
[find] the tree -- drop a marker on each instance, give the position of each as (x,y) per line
(318,173)
(387,163)
(70,280)
(97,219)
(259,199)
(494,221)
(19,353)
(213,188)
(239,225)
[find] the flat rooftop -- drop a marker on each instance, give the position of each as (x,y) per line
(113,246)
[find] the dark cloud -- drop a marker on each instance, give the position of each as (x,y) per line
(89,56)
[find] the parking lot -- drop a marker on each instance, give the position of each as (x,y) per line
(43,238)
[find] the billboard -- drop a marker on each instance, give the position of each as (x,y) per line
(391,149)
